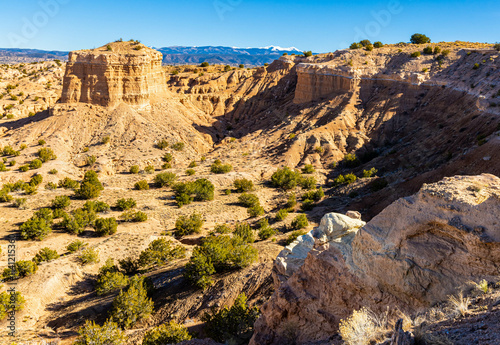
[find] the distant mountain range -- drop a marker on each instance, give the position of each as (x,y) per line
(171,55)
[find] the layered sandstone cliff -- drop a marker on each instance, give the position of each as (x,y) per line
(414,253)
(120,72)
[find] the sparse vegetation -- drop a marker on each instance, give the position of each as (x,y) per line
(168,333)
(165,179)
(300,222)
(88,256)
(179,146)
(285,178)
(61,202)
(46,154)
(45,254)
(160,252)
(21,269)
(125,204)
(243,185)
(132,305)
(105,226)
(107,334)
(134,169)
(75,246)
(141,185)
(232,325)
(134,216)
(218,168)
(218,254)
(186,225)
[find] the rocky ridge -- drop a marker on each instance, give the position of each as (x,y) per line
(413,254)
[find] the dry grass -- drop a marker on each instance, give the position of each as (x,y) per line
(363,327)
(459,304)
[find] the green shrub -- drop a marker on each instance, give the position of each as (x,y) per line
(134,169)
(232,325)
(132,305)
(199,190)
(165,179)
(167,157)
(21,269)
(315,195)
(378,44)
(294,235)
(265,231)
(12,163)
(61,202)
(428,50)
(355,45)
(90,160)
(3,167)
(285,178)
(419,39)
(24,168)
(190,172)
(5,196)
(476,66)
(445,53)
(105,226)
(179,146)
(415,54)
(134,216)
(88,256)
(109,282)
(243,185)
(245,232)
(496,46)
(51,186)
(20,203)
(192,164)
(162,144)
(351,161)
(166,166)
(248,200)
(291,202)
(222,229)
(308,169)
(96,206)
(300,222)
(75,246)
(149,169)
(160,252)
(92,334)
(78,220)
(10,303)
(255,211)
(125,204)
(370,173)
(105,140)
(308,182)
(307,205)
(308,53)
(58,213)
(218,254)
(41,142)
(281,214)
(46,154)
(204,64)
(170,333)
(35,180)
(141,185)
(187,225)
(437,50)
(68,183)
(87,191)
(35,229)
(218,168)
(45,254)
(91,187)
(29,189)
(129,265)
(369,47)
(35,164)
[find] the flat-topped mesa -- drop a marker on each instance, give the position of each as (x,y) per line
(119,72)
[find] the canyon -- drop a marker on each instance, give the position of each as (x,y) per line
(428,126)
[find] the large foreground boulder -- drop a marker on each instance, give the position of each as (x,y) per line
(416,252)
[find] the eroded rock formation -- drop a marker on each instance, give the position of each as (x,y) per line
(127,72)
(414,253)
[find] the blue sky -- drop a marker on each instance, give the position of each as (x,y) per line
(320,26)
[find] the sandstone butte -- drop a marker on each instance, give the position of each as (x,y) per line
(119,72)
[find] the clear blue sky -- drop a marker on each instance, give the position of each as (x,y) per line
(321,26)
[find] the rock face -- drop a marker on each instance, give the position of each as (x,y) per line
(414,253)
(127,72)
(333,227)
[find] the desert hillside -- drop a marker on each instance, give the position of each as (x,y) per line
(209,182)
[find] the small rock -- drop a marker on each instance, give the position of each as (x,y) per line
(353,214)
